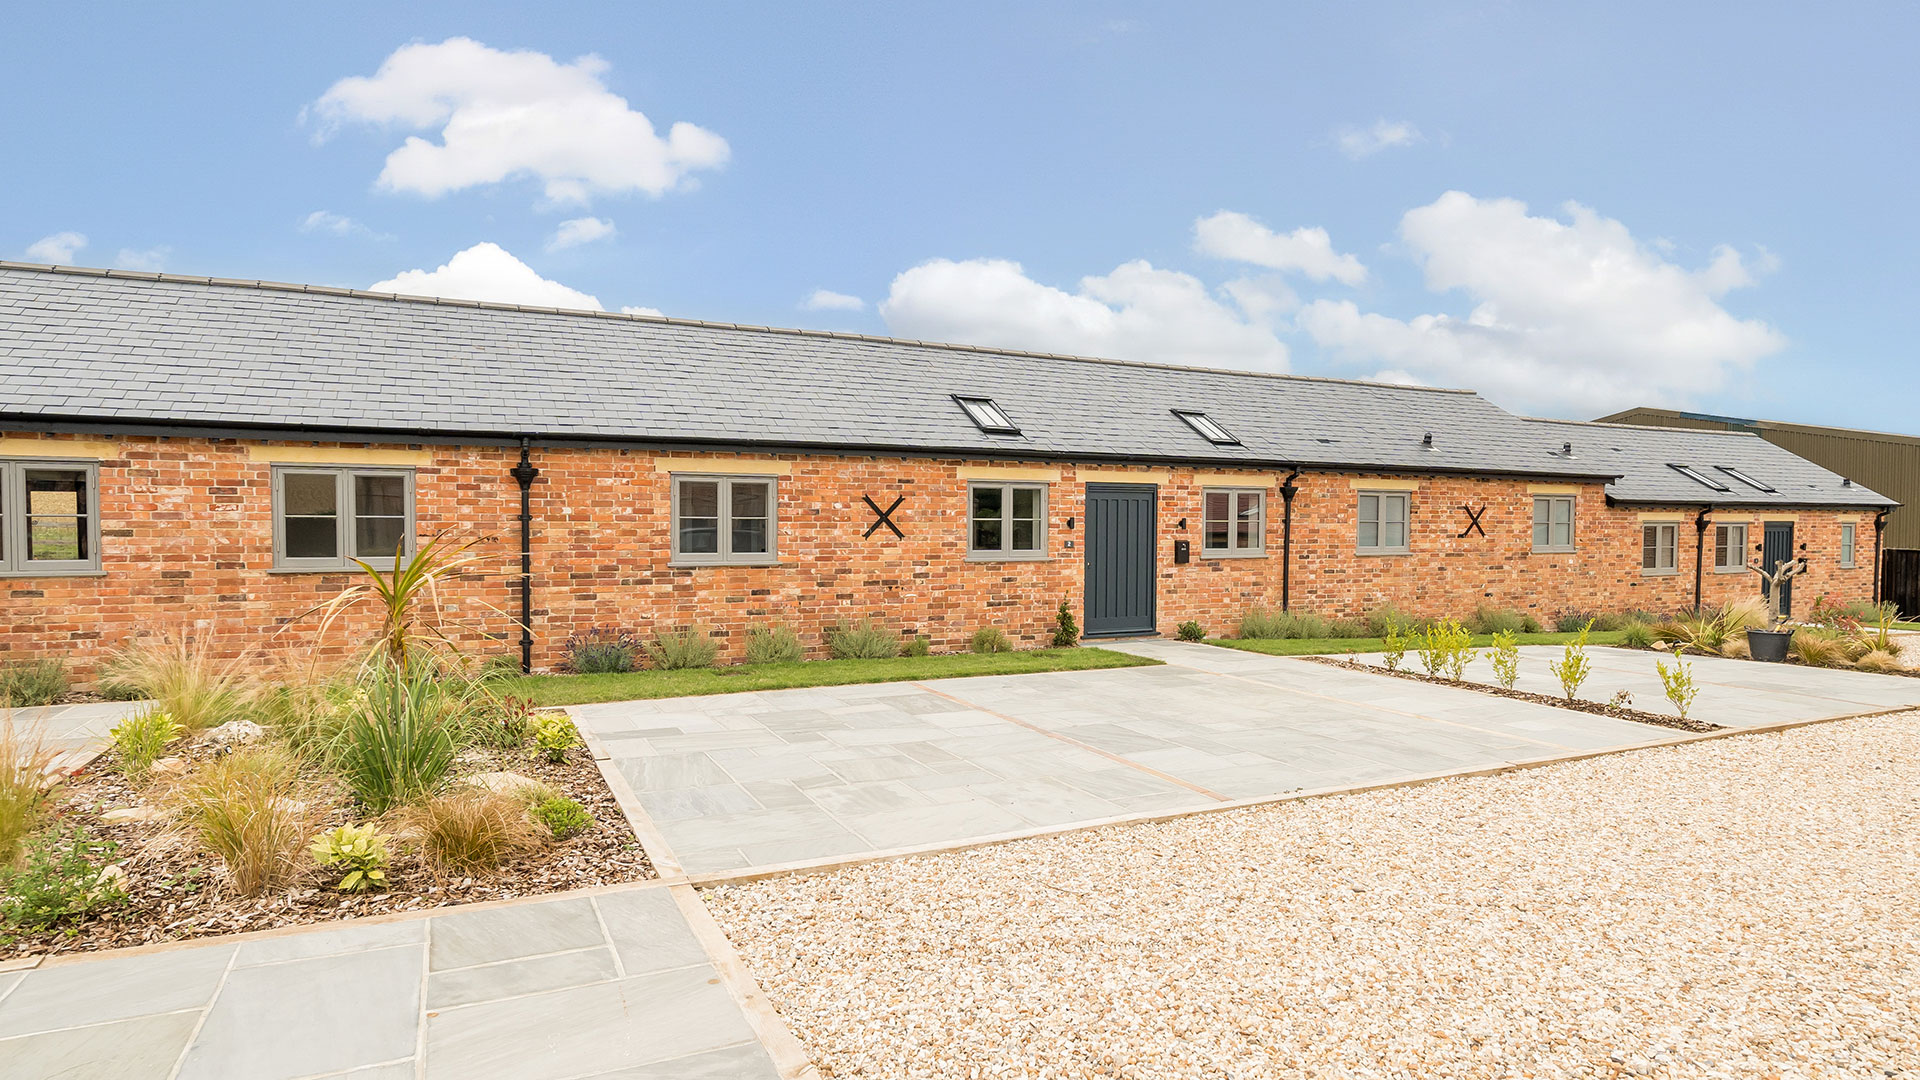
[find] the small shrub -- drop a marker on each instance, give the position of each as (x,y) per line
(1396,647)
(499,721)
(1817,647)
(1574,667)
(64,876)
(469,831)
(1264,624)
(990,639)
(554,735)
(562,816)
(245,808)
(1487,619)
(497,667)
(1529,625)
(1381,619)
(680,650)
(1638,635)
(1679,683)
(359,852)
(1880,660)
(1572,622)
(1505,657)
(1433,651)
(1445,647)
(864,640)
(24,798)
(26,683)
(921,645)
(1735,649)
(397,744)
(774,645)
(1066,632)
(1347,629)
(1191,631)
(141,739)
(1714,630)
(601,650)
(183,678)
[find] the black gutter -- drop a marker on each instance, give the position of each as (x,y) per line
(524,473)
(1287,492)
(1699,550)
(1879,532)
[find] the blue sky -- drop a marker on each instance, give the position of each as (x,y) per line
(1573,210)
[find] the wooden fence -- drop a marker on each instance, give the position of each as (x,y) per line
(1900,580)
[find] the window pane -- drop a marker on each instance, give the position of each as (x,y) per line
(749,536)
(1026,503)
(1648,547)
(309,494)
(56,538)
(1026,535)
(56,492)
(1563,534)
(1393,534)
(1369,533)
(750,529)
(1540,513)
(749,499)
(380,516)
(1214,515)
(378,537)
(1562,511)
(1247,530)
(312,538)
(699,509)
(56,515)
(986,534)
(988,502)
(700,498)
(1539,529)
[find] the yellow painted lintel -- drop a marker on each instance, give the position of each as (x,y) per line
(339,455)
(1008,472)
(724,466)
(32,446)
(1382,483)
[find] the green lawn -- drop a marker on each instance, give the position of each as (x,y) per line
(1322,646)
(637,685)
(1906,626)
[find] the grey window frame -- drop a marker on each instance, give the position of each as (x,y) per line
(1671,528)
(1006,552)
(1233,550)
(1849,545)
(1739,567)
(987,414)
(724,508)
(1573,531)
(344,511)
(1382,549)
(13,519)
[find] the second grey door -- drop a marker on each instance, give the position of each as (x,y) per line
(1777,547)
(1120,556)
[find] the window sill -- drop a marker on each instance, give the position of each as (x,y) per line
(1846,566)
(1008,556)
(1670,572)
(1729,569)
(1256,554)
(30,574)
(350,568)
(1367,553)
(1556,551)
(731,564)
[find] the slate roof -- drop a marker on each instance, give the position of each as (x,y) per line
(1643,456)
(160,349)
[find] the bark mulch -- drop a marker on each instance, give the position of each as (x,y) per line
(177,891)
(1595,707)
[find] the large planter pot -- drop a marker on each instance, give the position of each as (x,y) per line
(1769,645)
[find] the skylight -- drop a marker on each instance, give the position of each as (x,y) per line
(1745,479)
(1208,427)
(987,415)
(1698,477)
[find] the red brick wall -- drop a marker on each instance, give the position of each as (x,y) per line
(187,540)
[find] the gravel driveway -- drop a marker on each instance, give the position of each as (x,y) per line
(1741,907)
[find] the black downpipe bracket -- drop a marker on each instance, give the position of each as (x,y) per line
(1879,532)
(1287,492)
(1699,550)
(524,473)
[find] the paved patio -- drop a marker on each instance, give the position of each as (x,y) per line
(605,985)
(75,727)
(762,779)
(1733,693)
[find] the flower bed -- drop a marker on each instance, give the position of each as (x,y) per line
(1595,707)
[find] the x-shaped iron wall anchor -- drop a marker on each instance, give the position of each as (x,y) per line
(883,517)
(1473,520)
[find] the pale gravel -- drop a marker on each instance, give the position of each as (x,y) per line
(1745,907)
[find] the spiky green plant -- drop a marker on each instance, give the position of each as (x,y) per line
(141,739)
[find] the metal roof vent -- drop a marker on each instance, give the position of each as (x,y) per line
(1427,443)
(1566,449)
(1208,427)
(1844,482)
(987,415)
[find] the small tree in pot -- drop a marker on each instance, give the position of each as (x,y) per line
(1771,643)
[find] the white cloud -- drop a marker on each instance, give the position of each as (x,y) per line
(1570,316)
(632,309)
(152,259)
(326,221)
(503,115)
(487,271)
(579,231)
(61,247)
(1309,251)
(828,300)
(1357,142)
(1134,313)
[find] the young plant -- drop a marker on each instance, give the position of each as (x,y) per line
(407,597)
(774,645)
(246,808)
(498,721)
(1574,667)
(358,850)
(397,744)
(1638,635)
(1192,631)
(1457,644)
(24,796)
(183,678)
(1396,647)
(141,739)
(1433,649)
(602,650)
(470,831)
(864,640)
(991,639)
(1679,683)
(554,735)
(27,683)
(678,650)
(562,816)
(921,645)
(64,876)
(1066,632)
(1487,619)
(1505,657)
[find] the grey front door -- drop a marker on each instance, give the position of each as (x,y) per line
(1120,555)
(1776,548)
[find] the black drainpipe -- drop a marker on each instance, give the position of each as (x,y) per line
(1287,492)
(1879,531)
(524,473)
(1699,550)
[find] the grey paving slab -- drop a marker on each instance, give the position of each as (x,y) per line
(506,933)
(72,727)
(350,938)
(744,1062)
(493,982)
(142,1048)
(326,1014)
(118,988)
(648,931)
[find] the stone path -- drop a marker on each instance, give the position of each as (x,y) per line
(763,779)
(1733,693)
(615,983)
(75,728)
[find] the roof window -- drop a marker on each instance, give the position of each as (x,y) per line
(987,415)
(1208,427)
(1698,477)
(1745,479)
